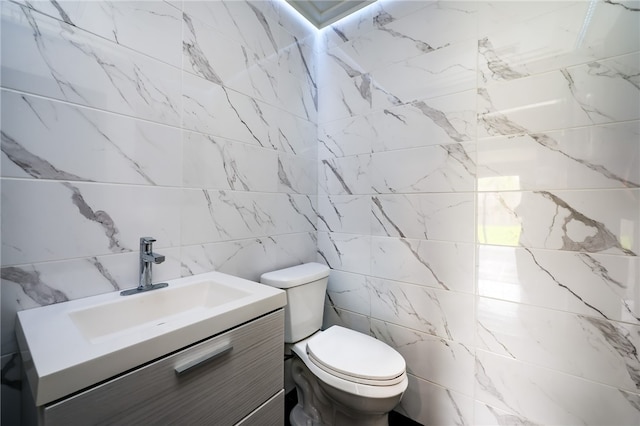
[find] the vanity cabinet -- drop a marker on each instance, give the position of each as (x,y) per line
(235,377)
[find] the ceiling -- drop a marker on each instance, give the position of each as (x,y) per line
(325,12)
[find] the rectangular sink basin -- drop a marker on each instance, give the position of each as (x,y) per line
(129,313)
(70,346)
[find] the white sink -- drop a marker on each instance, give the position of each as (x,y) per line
(69,346)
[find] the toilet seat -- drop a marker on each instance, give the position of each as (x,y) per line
(374,379)
(357,357)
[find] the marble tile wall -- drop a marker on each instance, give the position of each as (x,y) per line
(192,122)
(478,203)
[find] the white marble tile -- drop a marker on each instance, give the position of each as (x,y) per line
(295,213)
(213,109)
(549,397)
(297,175)
(342,96)
(82,219)
(297,59)
(447,217)
(249,258)
(345,252)
(300,98)
(217,163)
(441,168)
(297,135)
(344,318)
(214,216)
(51,58)
(573,33)
(486,415)
(350,136)
(344,213)
(604,221)
(242,21)
(449,364)
(601,286)
(150,27)
(46,139)
(430,404)
(437,264)
(245,258)
(348,291)
(437,121)
(595,349)
(345,176)
(591,157)
(595,93)
(449,70)
(439,313)
(387,11)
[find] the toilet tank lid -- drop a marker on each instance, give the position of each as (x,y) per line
(295,275)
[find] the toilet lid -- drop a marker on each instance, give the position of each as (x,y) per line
(355,356)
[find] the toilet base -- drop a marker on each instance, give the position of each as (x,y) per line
(321,404)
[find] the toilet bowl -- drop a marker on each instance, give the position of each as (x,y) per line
(341,376)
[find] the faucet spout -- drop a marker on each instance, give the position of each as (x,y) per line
(147,259)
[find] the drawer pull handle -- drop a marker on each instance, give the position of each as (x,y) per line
(194,363)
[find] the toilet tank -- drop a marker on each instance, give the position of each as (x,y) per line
(305,286)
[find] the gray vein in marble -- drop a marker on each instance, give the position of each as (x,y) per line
(259,216)
(100,217)
(42,48)
(599,270)
(632,398)
(404,304)
(265,24)
(498,67)
(590,110)
(441,120)
(391,98)
(459,420)
(619,340)
(377,203)
(445,324)
(34,110)
(62,13)
(351,72)
(104,272)
(509,419)
(416,255)
(396,116)
(197,58)
(499,124)
(244,123)
(599,70)
(301,213)
(565,287)
(313,87)
(282,176)
(338,176)
(482,326)
(30,282)
(485,382)
(549,143)
(339,33)
(419,44)
(32,164)
(614,3)
(457,152)
(382,18)
(364,88)
(603,238)
(219,228)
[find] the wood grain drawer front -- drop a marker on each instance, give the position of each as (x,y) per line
(220,390)
(271,413)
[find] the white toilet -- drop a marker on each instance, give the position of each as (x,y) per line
(342,377)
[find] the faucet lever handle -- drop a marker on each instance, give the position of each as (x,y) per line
(147,240)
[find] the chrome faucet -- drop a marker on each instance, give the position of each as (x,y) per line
(147,259)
